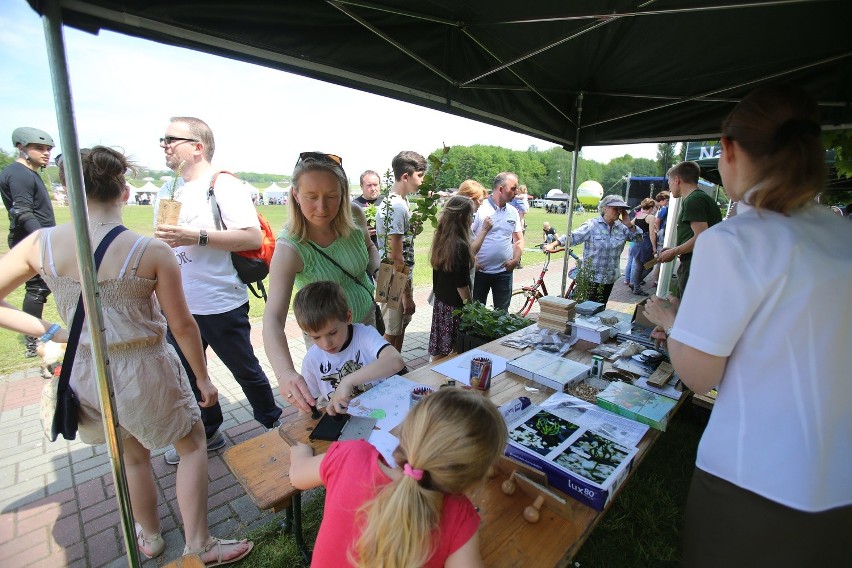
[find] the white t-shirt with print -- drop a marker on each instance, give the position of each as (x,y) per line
(323,370)
(497,246)
(210,282)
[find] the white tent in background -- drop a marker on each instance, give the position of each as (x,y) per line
(146,193)
(277,193)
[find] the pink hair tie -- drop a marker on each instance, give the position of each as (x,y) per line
(416,474)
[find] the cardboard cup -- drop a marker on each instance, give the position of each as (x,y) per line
(168,212)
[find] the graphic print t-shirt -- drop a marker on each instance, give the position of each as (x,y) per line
(323,371)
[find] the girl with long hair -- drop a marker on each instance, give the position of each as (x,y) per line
(451,258)
(771,333)
(140,283)
(414,514)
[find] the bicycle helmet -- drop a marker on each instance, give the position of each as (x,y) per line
(27,135)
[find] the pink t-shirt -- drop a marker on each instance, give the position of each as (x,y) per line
(351,474)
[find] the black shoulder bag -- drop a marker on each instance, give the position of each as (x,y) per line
(380,322)
(65,419)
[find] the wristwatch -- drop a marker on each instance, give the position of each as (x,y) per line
(202,238)
(669,331)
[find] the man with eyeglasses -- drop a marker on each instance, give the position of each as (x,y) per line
(28,204)
(503,244)
(216,297)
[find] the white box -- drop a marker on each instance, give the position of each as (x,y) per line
(548,369)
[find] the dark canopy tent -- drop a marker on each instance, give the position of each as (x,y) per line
(645,69)
(584,72)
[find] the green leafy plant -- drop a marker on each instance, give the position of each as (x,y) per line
(370,213)
(174,182)
(583,285)
(425,209)
(481,321)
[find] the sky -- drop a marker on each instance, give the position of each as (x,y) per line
(125,89)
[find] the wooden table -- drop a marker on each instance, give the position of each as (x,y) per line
(507,540)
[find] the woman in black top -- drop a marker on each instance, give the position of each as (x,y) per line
(451,260)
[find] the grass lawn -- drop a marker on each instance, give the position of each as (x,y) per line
(139,218)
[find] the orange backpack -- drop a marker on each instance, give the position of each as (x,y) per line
(252,265)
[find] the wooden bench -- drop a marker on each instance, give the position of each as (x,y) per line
(262,466)
(189,561)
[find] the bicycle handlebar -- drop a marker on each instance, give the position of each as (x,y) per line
(570,252)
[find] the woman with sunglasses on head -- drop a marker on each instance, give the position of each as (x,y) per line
(326,239)
(139,284)
(771,331)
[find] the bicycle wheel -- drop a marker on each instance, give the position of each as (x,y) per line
(522,302)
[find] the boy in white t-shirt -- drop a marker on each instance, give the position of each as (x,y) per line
(345,357)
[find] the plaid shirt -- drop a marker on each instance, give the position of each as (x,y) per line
(603,247)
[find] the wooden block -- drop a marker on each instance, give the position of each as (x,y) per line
(507,466)
(557,302)
(662,375)
(552,499)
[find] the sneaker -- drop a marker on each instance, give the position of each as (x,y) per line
(215,442)
(31,345)
(640,292)
(275,426)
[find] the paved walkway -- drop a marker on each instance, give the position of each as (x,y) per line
(57,501)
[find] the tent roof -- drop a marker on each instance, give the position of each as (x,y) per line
(667,70)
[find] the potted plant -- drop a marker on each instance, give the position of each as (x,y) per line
(480,325)
(168,210)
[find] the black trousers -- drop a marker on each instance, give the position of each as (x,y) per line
(229,335)
(728,526)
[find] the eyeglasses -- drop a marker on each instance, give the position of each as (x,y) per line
(169,140)
(320,157)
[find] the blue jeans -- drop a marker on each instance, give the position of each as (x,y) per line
(499,284)
(229,335)
(628,270)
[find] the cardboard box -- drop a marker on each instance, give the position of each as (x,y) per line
(548,369)
(638,404)
(639,315)
(580,463)
(591,331)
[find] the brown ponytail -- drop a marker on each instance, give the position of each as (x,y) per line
(778,128)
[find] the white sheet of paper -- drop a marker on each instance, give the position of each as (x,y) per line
(388,402)
(458,367)
(386,443)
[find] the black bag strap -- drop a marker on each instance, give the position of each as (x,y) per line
(211,197)
(358,282)
(79,314)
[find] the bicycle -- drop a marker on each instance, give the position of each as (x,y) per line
(525,298)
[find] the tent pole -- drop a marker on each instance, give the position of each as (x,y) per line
(573,181)
(665,275)
(88,277)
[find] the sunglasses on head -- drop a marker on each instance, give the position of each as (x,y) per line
(320,157)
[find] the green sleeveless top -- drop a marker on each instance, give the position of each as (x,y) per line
(351,254)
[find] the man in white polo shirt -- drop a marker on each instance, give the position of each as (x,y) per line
(501,249)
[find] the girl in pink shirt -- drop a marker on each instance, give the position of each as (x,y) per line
(415,514)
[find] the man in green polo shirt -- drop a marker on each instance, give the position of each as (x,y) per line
(697,212)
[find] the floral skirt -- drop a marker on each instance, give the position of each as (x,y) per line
(445,328)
